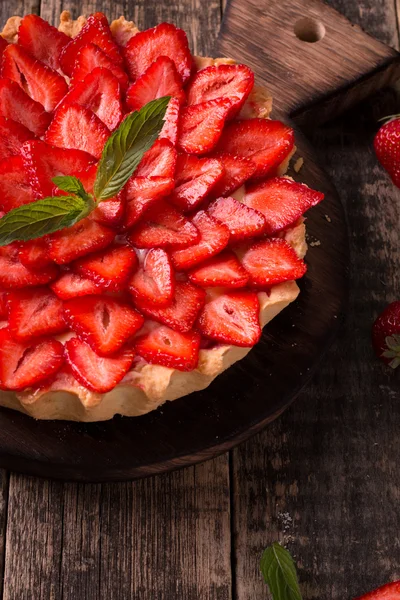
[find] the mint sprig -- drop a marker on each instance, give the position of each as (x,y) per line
(72,185)
(279,571)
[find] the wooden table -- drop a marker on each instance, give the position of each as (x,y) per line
(324,479)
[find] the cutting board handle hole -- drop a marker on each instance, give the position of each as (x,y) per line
(309,30)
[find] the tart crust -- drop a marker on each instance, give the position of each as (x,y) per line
(147,386)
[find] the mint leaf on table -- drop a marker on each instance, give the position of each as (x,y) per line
(279,571)
(72,185)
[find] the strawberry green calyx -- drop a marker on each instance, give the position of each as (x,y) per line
(393,352)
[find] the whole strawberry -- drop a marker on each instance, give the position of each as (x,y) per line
(386,335)
(387,148)
(391,591)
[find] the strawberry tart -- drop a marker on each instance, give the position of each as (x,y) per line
(121,289)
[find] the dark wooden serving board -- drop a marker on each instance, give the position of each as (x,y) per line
(310,82)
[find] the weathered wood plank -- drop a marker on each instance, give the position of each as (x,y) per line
(17,7)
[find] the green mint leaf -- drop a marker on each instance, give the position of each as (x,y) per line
(72,185)
(279,571)
(125,148)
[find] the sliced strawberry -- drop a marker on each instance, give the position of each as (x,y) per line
(182,313)
(77,128)
(100,93)
(23,365)
(3,45)
(164,346)
(267,143)
(95,372)
(3,305)
(38,80)
(105,323)
(12,136)
(34,254)
(154,283)
(159,80)
(141,193)
(281,200)
(42,40)
(223,270)
(201,125)
(243,222)
(231,318)
(237,170)
(72,285)
(82,238)
(390,591)
(214,237)
(194,180)
(159,161)
(95,31)
(272,261)
(109,212)
(35,312)
(14,275)
(14,184)
(110,268)
(163,226)
(90,57)
(17,105)
(163,40)
(224,81)
(171,122)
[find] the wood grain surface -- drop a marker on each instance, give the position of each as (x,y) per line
(324,478)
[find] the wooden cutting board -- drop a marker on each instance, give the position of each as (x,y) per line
(316,64)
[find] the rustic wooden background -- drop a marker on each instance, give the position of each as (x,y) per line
(324,479)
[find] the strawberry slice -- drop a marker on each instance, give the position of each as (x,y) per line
(110,268)
(232,318)
(43,41)
(3,305)
(194,179)
(35,312)
(181,314)
(171,122)
(154,283)
(38,80)
(71,285)
(90,57)
(17,105)
(78,128)
(82,238)
(141,193)
(281,200)
(267,143)
(105,323)
(13,274)
(24,365)
(159,161)
(12,136)
(3,45)
(34,254)
(272,261)
(163,40)
(223,270)
(100,93)
(164,346)
(109,212)
(201,125)
(163,226)
(159,80)
(242,221)
(95,372)
(390,591)
(237,170)
(96,31)
(214,237)
(224,81)
(14,184)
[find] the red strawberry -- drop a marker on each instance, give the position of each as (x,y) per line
(267,143)
(231,318)
(90,57)
(24,365)
(194,179)
(390,591)
(71,285)
(35,312)
(105,323)
(200,126)
(281,200)
(12,136)
(14,184)
(164,40)
(96,31)
(272,261)
(109,268)
(3,305)
(159,80)
(38,80)
(163,226)
(182,313)
(164,346)
(42,40)
(237,170)
(3,45)
(100,93)
(387,148)
(82,238)
(141,193)
(243,222)
(97,373)
(109,212)
(34,254)
(159,161)
(171,122)
(17,105)
(224,81)
(214,237)
(386,335)
(154,283)
(13,274)
(77,128)
(223,270)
